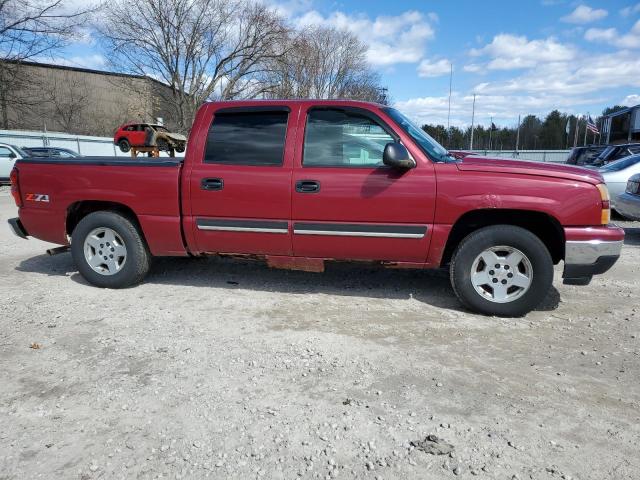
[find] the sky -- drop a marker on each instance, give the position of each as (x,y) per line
(517,57)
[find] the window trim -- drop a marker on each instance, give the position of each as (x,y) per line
(348,109)
(255,109)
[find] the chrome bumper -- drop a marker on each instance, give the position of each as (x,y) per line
(584,259)
(588,252)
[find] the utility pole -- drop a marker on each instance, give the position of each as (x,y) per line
(473,117)
(518,136)
(449,113)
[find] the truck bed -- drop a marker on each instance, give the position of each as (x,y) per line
(150,188)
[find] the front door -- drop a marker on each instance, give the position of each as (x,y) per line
(241,187)
(346,203)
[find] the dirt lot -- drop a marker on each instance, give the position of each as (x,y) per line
(226,369)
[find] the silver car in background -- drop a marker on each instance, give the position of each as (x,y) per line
(628,203)
(616,174)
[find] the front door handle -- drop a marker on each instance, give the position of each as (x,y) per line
(212,184)
(307,186)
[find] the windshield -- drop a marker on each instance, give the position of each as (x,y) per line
(621,164)
(428,145)
(160,128)
(21,152)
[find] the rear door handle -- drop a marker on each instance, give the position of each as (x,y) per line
(307,186)
(212,184)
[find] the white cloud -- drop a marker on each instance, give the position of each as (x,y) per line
(585,14)
(509,52)
(630,10)
(437,68)
(503,108)
(613,37)
(472,68)
(391,39)
(631,100)
(573,79)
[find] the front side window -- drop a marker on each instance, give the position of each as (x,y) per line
(4,152)
(339,138)
(247,138)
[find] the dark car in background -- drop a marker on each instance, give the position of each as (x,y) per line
(582,156)
(615,152)
(39,152)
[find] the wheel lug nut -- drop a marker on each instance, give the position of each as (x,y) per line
(506,267)
(510,275)
(104,257)
(497,265)
(100,252)
(504,282)
(495,280)
(491,272)
(112,249)
(110,256)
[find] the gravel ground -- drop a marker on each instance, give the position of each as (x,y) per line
(227,369)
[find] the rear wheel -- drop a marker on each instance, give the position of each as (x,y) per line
(124,145)
(501,270)
(180,147)
(109,251)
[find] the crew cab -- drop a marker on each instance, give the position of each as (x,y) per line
(302,182)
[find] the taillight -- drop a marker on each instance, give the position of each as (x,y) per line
(15,188)
(605,216)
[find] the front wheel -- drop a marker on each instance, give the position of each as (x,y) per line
(109,251)
(124,145)
(501,270)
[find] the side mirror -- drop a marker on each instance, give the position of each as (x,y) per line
(397,156)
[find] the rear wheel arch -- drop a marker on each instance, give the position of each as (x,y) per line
(546,227)
(78,210)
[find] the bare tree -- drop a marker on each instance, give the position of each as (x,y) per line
(202,49)
(28,29)
(325,62)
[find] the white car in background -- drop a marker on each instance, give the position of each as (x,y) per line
(8,156)
(616,174)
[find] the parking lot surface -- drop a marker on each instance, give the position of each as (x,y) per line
(226,369)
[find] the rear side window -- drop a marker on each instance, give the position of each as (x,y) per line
(247,138)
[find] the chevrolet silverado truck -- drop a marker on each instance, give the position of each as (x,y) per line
(302,182)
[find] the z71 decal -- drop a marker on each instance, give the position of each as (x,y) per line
(37,197)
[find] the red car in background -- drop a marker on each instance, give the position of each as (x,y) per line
(148,135)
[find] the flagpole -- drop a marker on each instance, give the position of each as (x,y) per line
(576,133)
(473,117)
(585,131)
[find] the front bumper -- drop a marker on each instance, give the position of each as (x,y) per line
(17,228)
(586,258)
(628,205)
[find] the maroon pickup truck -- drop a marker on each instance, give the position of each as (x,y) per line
(299,183)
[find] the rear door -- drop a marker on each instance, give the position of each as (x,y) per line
(346,203)
(240,187)
(7,159)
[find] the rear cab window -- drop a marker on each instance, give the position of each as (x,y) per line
(247,137)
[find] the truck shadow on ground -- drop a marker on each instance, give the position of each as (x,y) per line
(431,287)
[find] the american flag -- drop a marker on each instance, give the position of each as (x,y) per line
(592,127)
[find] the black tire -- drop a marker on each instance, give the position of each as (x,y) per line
(162,145)
(136,263)
(180,148)
(502,235)
(124,145)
